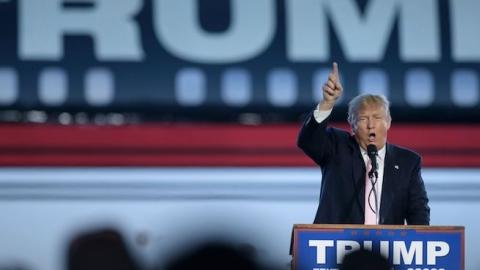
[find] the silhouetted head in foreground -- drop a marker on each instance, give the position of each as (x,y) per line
(214,256)
(364,260)
(99,250)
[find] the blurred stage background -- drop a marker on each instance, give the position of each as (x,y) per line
(173,120)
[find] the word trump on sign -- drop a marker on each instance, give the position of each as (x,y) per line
(402,251)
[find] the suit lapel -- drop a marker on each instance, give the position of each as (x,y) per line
(390,173)
(358,174)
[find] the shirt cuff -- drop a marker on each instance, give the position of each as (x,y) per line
(320,116)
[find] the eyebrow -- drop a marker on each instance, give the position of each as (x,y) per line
(373,115)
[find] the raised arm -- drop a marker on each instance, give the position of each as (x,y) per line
(313,138)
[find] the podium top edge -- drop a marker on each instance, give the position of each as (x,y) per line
(361,226)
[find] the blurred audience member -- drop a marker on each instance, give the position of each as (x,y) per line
(215,256)
(103,249)
(364,260)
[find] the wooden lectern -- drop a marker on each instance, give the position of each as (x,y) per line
(322,247)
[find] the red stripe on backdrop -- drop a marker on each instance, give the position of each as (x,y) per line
(210,145)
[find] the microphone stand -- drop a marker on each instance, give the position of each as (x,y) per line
(373,176)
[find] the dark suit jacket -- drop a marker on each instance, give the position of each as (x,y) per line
(342,193)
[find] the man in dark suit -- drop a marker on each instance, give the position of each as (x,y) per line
(395,194)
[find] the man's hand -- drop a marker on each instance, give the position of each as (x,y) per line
(332,90)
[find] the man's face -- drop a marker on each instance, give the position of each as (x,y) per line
(372,126)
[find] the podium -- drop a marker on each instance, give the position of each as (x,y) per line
(322,247)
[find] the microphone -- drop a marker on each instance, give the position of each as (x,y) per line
(372,154)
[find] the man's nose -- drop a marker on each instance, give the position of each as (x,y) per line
(370,123)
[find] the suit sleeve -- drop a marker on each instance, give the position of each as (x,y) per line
(316,140)
(418,209)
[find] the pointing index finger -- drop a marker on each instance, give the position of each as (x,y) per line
(335,69)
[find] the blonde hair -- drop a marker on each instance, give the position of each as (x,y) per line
(361,101)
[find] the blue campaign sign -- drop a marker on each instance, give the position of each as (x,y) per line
(323,247)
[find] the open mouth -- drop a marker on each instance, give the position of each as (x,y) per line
(371,137)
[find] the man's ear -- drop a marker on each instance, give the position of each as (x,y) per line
(389,123)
